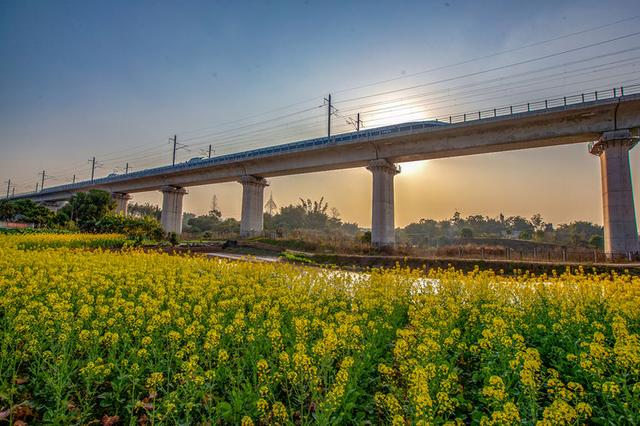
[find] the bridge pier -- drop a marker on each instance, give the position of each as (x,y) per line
(383,232)
(122,202)
(171,219)
(620,229)
(252,205)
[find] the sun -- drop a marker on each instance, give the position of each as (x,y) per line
(413,167)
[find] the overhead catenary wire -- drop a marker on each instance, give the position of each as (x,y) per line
(489,56)
(451,65)
(507,77)
(261,132)
(493,89)
(497,68)
(502,79)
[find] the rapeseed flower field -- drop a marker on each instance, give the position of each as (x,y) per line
(94,336)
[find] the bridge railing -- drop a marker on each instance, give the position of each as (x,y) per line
(541,104)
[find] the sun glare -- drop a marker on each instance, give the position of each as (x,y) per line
(396,112)
(413,167)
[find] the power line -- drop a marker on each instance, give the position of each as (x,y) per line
(509,77)
(501,67)
(492,89)
(238,136)
(492,55)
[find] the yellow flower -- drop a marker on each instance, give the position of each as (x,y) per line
(154,380)
(279,413)
(223,356)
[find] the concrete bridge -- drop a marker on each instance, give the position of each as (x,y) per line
(611,126)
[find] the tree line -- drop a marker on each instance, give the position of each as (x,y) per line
(306,214)
(430,232)
(93,212)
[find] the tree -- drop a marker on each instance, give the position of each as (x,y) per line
(577,233)
(87,208)
(202,223)
(186,218)
(526,235)
(311,215)
(215,213)
(7,210)
(146,209)
(466,233)
(596,241)
(28,211)
(456,218)
(290,217)
(537,222)
(518,224)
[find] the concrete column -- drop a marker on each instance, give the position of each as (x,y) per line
(252,205)
(171,219)
(122,202)
(620,230)
(383,231)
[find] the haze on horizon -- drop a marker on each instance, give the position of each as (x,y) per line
(115,80)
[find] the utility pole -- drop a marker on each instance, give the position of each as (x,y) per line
(209,150)
(126,169)
(74,179)
(358,123)
(8,187)
(175,146)
(37,186)
(328,99)
(13,193)
(42,184)
(93,167)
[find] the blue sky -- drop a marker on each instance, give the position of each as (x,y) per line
(84,78)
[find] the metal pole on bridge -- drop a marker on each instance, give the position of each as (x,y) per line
(42,184)
(329,120)
(328,100)
(8,187)
(209,150)
(175,146)
(126,169)
(93,167)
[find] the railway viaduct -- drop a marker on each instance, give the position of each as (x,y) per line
(609,122)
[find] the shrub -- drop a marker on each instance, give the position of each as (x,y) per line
(135,228)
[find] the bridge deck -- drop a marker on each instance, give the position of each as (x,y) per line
(544,123)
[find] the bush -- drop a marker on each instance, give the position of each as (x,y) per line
(366,237)
(26,211)
(133,227)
